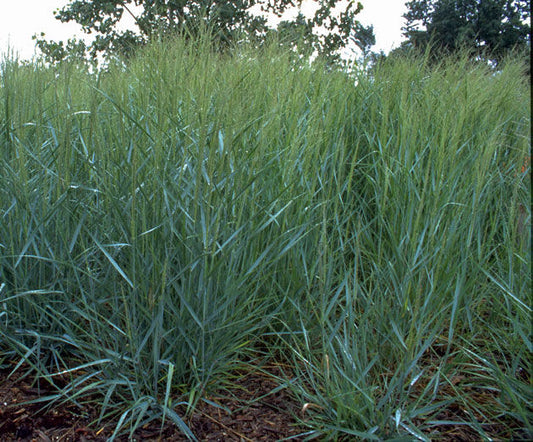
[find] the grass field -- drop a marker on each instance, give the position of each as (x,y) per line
(164,223)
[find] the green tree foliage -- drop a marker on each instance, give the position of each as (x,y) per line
(228,19)
(489,27)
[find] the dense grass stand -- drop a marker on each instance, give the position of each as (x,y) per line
(167,222)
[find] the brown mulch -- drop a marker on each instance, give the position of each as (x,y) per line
(256,410)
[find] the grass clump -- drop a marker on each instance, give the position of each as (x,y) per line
(163,220)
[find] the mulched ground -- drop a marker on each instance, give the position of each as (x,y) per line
(255,411)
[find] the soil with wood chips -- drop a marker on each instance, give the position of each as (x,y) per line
(255,410)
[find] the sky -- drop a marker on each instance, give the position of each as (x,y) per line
(21,19)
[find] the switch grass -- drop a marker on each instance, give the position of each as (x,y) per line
(165,220)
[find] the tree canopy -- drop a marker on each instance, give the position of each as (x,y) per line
(331,28)
(489,27)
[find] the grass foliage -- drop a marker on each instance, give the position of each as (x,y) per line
(164,222)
